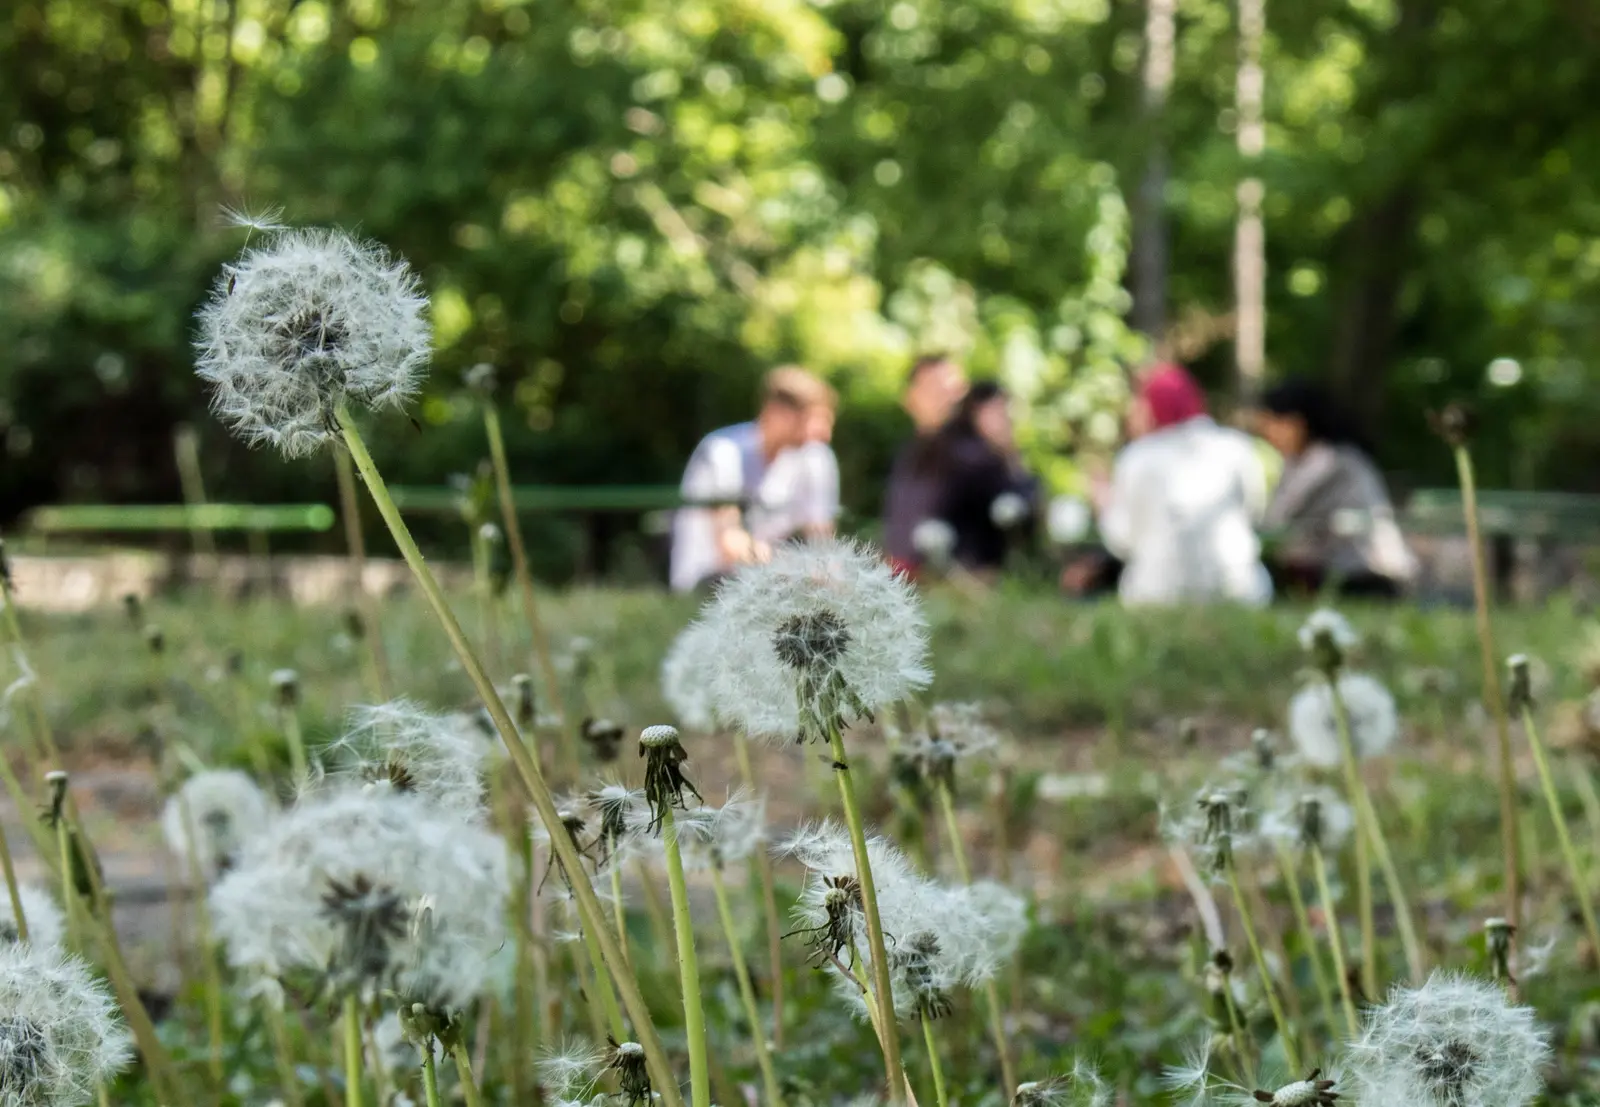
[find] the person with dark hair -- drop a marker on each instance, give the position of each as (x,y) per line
(984,494)
(1330,512)
(934,386)
(722,484)
(1181,506)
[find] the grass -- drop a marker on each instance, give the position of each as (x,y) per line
(1111,713)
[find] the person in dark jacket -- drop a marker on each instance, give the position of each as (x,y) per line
(934,387)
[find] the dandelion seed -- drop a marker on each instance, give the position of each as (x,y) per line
(265,221)
(623,816)
(1370,709)
(305,323)
(569,1070)
(480,379)
(60,1031)
(211,816)
(716,837)
(814,640)
(402,746)
(1453,1042)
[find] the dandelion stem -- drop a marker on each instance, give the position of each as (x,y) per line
(694,1018)
(356,552)
(469,1083)
(1584,782)
(292,735)
(212,973)
(877,948)
(282,1055)
(519,565)
(1580,885)
(590,912)
(12,889)
(1319,976)
(430,1074)
(617,911)
(1397,891)
(1353,784)
(1335,942)
(1237,1032)
(44,741)
(991,993)
(1493,699)
(769,900)
(602,985)
(933,1063)
(747,993)
(351,1022)
(1268,986)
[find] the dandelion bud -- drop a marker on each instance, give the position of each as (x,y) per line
(1454,424)
(527,709)
(155,639)
(234,662)
(1327,636)
(480,379)
(627,1060)
(305,325)
(286,682)
(1265,748)
(1313,1091)
(489,534)
(56,780)
(664,782)
(1497,936)
(1008,510)
(1520,694)
(935,542)
(134,608)
(603,737)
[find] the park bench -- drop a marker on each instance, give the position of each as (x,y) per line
(1515,524)
(255,520)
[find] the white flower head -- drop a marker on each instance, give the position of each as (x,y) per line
(61,1033)
(934,540)
(1453,1042)
(211,816)
(404,747)
(368,889)
(818,637)
(1296,817)
(304,323)
(1328,625)
(1009,509)
(1214,825)
(47,925)
(686,676)
(1313,727)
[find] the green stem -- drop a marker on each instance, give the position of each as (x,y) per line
(590,913)
(1236,1031)
(933,1063)
(469,1083)
(991,993)
(1319,976)
(617,911)
(1335,941)
(430,1074)
(211,971)
(1580,886)
(877,948)
(283,1056)
(1267,985)
(1584,782)
(1353,785)
(44,741)
(351,1022)
(602,985)
(296,741)
(356,551)
(1491,688)
(12,888)
(747,992)
(1397,891)
(69,891)
(769,900)
(694,1019)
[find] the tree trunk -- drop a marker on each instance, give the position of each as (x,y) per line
(1150,229)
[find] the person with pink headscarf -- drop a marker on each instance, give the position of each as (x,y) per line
(1183,499)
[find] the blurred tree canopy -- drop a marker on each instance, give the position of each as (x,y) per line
(632,207)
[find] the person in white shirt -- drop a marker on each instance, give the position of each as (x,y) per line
(799,495)
(723,520)
(1182,503)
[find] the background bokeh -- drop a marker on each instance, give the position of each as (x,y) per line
(632,207)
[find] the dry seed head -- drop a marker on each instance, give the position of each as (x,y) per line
(1313,1091)
(155,638)
(627,1060)
(286,682)
(211,816)
(1327,636)
(1519,696)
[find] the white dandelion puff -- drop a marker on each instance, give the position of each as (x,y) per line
(935,541)
(1009,509)
(404,747)
(1370,709)
(716,837)
(1213,826)
(307,322)
(1453,1042)
(686,676)
(819,637)
(1080,1086)
(570,1070)
(335,890)
(47,925)
(1294,818)
(211,816)
(61,1034)
(1329,624)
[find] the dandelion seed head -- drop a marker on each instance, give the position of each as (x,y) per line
(1313,727)
(61,1033)
(822,634)
(1327,626)
(934,540)
(686,676)
(47,925)
(211,816)
(1296,817)
(716,837)
(303,323)
(403,747)
(1453,1042)
(299,892)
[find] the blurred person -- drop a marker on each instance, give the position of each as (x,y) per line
(799,495)
(1179,510)
(983,492)
(1330,512)
(722,483)
(934,386)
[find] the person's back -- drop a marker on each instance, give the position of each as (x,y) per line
(1181,517)
(725,469)
(1334,512)
(934,387)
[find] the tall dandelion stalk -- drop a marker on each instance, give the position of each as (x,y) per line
(1521,697)
(296,331)
(355,544)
